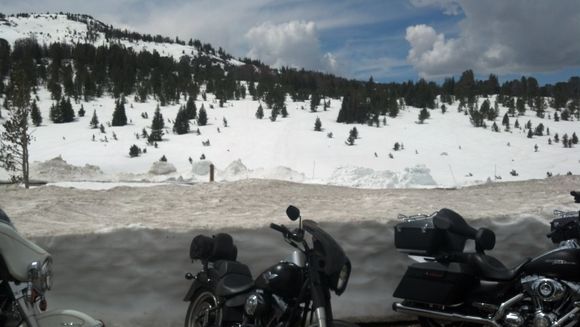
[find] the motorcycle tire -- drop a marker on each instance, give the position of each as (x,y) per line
(203,311)
(429,322)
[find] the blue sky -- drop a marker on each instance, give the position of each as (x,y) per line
(391,40)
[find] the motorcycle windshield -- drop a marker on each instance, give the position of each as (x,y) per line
(16,251)
(5,219)
(334,256)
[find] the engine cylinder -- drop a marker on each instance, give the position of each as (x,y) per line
(256,304)
(548,290)
(514,319)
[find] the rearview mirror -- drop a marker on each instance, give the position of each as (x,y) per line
(293,213)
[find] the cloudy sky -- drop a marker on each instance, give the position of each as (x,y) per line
(391,40)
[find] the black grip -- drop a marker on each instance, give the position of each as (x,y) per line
(281,228)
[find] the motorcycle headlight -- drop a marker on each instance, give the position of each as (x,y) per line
(40,275)
(343,277)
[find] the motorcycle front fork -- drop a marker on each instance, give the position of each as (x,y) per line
(27,310)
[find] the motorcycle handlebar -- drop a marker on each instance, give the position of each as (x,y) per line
(296,236)
(281,228)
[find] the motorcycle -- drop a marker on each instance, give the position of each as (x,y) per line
(451,287)
(25,276)
(290,293)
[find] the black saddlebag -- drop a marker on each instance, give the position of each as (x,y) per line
(218,247)
(436,283)
(565,226)
(420,237)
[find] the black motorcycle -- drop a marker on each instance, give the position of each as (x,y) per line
(293,292)
(451,287)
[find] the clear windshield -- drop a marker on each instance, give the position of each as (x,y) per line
(335,258)
(4,218)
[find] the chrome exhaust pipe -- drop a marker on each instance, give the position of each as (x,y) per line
(399,307)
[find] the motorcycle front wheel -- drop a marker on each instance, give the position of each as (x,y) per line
(428,322)
(203,310)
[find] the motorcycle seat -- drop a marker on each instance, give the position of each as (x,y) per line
(489,268)
(233,278)
(233,284)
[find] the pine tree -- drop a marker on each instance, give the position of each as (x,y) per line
(55,113)
(202,117)
(274,114)
(191,109)
(350,140)
(521,106)
(443,108)
(494,127)
(35,114)
(556,138)
(506,120)
(68,114)
(556,116)
(540,107)
(574,138)
(94,121)
(284,112)
(565,140)
(530,134)
(119,116)
(423,114)
(485,109)
(318,125)
(81,111)
(16,137)
(393,107)
(157,125)
(354,133)
(517,124)
(134,151)
(539,131)
(260,111)
(163,159)
(181,124)
(314,101)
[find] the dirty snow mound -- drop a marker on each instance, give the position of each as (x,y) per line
(57,169)
(162,168)
(279,172)
(201,167)
(418,176)
(235,170)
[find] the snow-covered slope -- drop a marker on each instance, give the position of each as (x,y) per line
(49,28)
(445,151)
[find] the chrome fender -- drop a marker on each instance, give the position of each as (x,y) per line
(66,318)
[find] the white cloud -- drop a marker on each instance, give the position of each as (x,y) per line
(293,44)
(516,36)
(449,7)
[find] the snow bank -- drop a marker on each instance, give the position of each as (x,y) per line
(418,176)
(201,168)
(162,168)
(57,169)
(133,242)
(140,271)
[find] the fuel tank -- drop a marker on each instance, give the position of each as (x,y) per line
(561,263)
(284,279)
